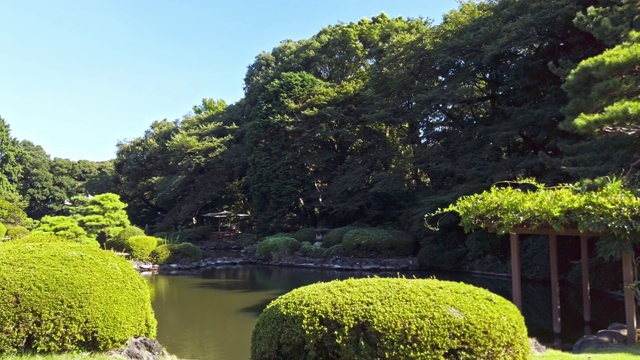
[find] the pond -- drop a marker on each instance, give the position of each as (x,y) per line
(210,316)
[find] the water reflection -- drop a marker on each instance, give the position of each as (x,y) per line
(211,316)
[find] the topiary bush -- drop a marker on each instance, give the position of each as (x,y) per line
(394,318)
(16,232)
(277,247)
(118,242)
(309,250)
(305,234)
(66,296)
(176,253)
(41,237)
(334,236)
(140,247)
(377,242)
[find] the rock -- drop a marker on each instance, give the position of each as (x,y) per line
(589,342)
(612,336)
(536,346)
(141,348)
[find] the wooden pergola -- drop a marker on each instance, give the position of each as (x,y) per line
(628,275)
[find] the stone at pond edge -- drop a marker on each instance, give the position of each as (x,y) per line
(141,348)
(614,336)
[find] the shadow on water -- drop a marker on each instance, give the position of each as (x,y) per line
(211,315)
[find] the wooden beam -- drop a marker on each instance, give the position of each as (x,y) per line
(586,284)
(516,288)
(555,287)
(629,299)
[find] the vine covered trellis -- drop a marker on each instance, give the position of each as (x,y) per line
(605,209)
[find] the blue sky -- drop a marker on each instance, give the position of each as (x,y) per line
(78,76)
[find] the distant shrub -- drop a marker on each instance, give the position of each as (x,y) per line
(176,253)
(118,242)
(377,242)
(140,247)
(306,234)
(51,303)
(195,234)
(3,231)
(309,250)
(378,318)
(334,236)
(277,247)
(16,232)
(36,237)
(64,227)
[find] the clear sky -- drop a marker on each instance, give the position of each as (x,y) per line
(77,76)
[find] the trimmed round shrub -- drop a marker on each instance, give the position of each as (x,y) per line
(377,242)
(176,253)
(306,234)
(16,232)
(310,250)
(140,247)
(334,236)
(119,242)
(37,237)
(65,296)
(393,318)
(277,247)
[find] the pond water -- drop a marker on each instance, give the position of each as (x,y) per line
(210,316)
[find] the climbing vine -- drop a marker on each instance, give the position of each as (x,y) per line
(609,208)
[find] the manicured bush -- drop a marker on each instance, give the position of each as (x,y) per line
(176,253)
(377,242)
(118,242)
(140,247)
(16,232)
(3,231)
(306,234)
(310,250)
(396,318)
(36,237)
(65,296)
(277,247)
(334,236)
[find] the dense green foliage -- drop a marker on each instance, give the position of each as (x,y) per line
(175,253)
(377,243)
(64,226)
(306,234)
(66,296)
(3,231)
(374,124)
(16,232)
(379,318)
(277,247)
(140,247)
(118,243)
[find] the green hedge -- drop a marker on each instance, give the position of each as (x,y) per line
(334,236)
(176,253)
(16,232)
(395,318)
(140,247)
(377,242)
(66,296)
(119,242)
(306,234)
(277,247)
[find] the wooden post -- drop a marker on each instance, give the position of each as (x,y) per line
(555,287)
(629,299)
(586,285)
(516,288)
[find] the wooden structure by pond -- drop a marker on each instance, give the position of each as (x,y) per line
(628,274)
(586,210)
